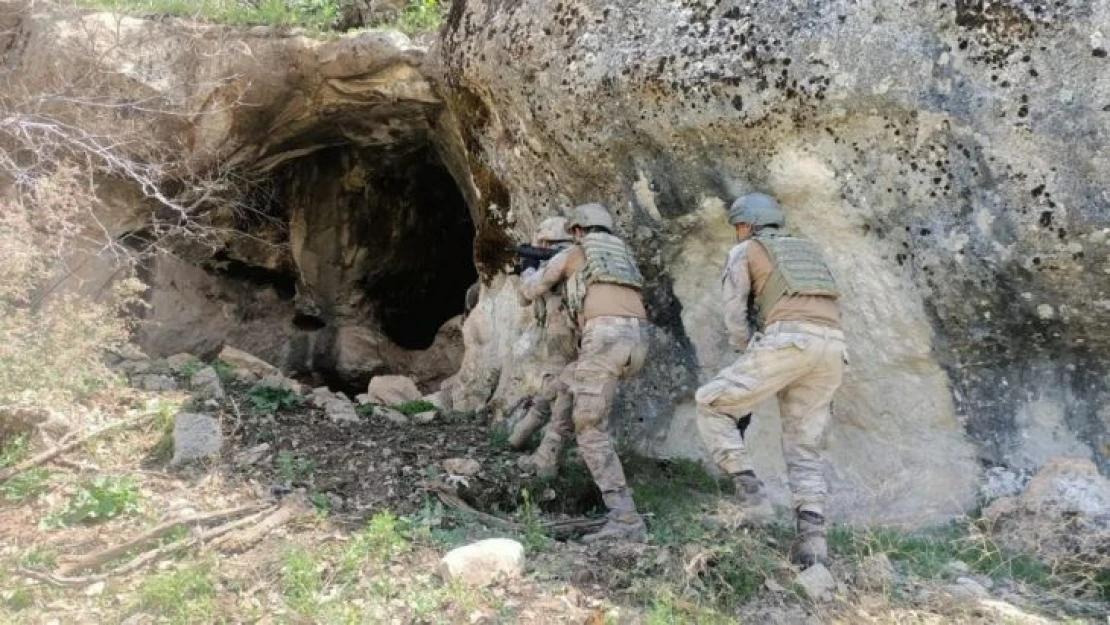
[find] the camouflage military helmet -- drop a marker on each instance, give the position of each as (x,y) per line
(757,209)
(591,216)
(552,230)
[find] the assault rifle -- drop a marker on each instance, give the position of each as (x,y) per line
(530,257)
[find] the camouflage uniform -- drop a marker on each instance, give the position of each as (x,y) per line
(792,357)
(601,284)
(557,348)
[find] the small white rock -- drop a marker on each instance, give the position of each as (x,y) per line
(94,589)
(483,562)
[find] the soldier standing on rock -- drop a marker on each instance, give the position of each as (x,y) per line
(798,353)
(601,284)
(558,347)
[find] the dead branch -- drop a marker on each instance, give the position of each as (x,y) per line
(292,508)
(144,559)
(98,559)
(48,455)
(557,529)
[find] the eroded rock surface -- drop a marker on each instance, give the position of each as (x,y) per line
(949,158)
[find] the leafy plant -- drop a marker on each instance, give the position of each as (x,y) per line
(365,410)
(97,500)
(14,450)
(268,399)
(26,484)
(189,369)
(415,406)
(535,538)
(292,469)
(421,16)
(225,371)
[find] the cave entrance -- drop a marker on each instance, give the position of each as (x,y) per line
(382,239)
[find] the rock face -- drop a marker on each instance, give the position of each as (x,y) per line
(950,159)
(339,244)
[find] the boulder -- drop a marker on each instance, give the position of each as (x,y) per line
(195,437)
(206,384)
(279,381)
(242,361)
(177,362)
(816,582)
(389,414)
(391,390)
(462,466)
(1068,486)
(336,406)
(1063,517)
(483,562)
(875,573)
(154,382)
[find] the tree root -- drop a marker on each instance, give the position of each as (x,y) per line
(556,529)
(50,454)
(265,519)
(100,558)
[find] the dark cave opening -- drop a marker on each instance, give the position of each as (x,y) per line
(383,236)
(432,266)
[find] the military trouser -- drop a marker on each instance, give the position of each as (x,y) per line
(611,348)
(551,405)
(803,364)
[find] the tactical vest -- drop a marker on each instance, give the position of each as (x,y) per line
(608,261)
(799,269)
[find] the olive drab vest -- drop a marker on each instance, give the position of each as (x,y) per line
(608,261)
(799,269)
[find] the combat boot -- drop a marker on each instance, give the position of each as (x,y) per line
(752,498)
(810,546)
(623,522)
(525,428)
(545,460)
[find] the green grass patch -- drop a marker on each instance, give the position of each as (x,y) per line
(499,438)
(14,450)
(225,371)
(187,595)
(674,493)
(310,14)
(26,485)
(293,469)
(97,500)
(415,407)
(365,410)
(667,609)
(301,581)
(421,16)
(39,558)
(268,399)
(928,554)
(384,537)
(20,599)
(189,369)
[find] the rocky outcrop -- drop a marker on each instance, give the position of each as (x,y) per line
(949,158)
(289,194)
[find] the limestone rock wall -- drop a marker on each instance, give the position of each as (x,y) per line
(950,158)
(324,234)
